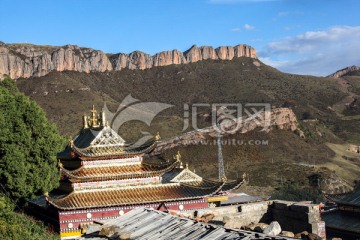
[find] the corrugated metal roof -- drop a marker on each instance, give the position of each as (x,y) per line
(147,224)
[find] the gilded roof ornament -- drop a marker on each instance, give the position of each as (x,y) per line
(94,118)
(178,156)
(60,164)
(157,137)
(71,141)
(85,121)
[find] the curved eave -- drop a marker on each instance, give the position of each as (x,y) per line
(84,154)
(146,195)
(232,185)
(75,174)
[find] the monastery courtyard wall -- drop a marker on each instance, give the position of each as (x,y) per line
(295,217)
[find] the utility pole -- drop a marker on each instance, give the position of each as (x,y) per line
(222,176)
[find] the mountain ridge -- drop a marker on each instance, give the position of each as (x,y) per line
(28,60)
(344,71)
(66,95)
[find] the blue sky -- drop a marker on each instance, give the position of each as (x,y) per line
(315,37)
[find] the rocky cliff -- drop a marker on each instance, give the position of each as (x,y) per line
(26,60)
(278,118)
(345,71)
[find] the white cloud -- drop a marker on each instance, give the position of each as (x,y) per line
(236,30)
(275,64)
(248,27)
(316,52)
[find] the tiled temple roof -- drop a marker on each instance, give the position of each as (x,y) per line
(118,172)
(135,195)
(102,143)
(352,199)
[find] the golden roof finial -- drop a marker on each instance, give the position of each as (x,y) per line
(85,121)
(157,137)
(71,142)
(60,164)
(187,166)
(93,116)
(107,124)
(178,156)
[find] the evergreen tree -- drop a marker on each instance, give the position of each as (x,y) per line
(28,146)
(14,225)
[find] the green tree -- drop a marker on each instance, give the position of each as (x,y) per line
(28,146)
(291,191)
(19,226)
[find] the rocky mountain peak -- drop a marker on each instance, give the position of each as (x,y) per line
(28,60)
(345,71)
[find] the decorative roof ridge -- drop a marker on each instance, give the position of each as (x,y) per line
(127,187)
(112,180)
(158,165)
(71,174)
(120,141)
(80,151)
(183,172)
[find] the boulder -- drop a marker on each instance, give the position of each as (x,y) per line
(253,226)
(260,227)
(108,231)
(273,229)
(287,234)
(298,235)
(125,236)
(311,236)
(232,222)
(208,217)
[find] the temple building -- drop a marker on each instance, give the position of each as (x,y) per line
(103,177)
(344,220)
